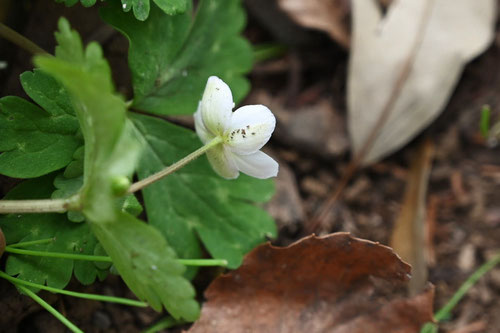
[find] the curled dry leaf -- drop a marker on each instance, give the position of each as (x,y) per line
(404,66)
(331,16)
(334,283)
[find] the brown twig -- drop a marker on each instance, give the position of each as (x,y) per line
(324,211)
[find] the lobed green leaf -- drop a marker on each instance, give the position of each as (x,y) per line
(139,252)
(171,57)
(148,265)
(195,203)
(37,141)
(68,238)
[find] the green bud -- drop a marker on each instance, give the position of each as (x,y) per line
(120,185)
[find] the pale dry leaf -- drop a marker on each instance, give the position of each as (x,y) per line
(331,16)
(335,283)
(430,42)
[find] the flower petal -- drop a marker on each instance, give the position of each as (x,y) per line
(250,129)
(216,105)
(204,135)
(222,161)
(258,165)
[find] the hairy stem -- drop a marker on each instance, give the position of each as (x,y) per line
(39,206)
(174,167)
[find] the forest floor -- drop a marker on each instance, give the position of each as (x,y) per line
(306,89)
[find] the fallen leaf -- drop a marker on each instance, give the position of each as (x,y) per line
(408,236)
(405,65)
(331,16)
(334,283)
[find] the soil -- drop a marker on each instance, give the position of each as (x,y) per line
(308,81)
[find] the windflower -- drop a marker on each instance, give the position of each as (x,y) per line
(243,133)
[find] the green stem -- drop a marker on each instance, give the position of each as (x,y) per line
(267,51)
(50,309)
(187,262)
(102,298)
(174,167)
(20,40)
(35,242)
(464,288)
(58,255)
(203,262)
(163,324)
(39,206)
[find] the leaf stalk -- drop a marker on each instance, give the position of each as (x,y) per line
(39,206)
(21,41)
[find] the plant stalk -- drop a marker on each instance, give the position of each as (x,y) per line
(174,167)
(61,255)
(39,206)
(50,309)
(21,41)
(94,297)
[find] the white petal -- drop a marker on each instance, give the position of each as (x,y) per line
(204,135)
(222,161)
(258,165)
(250,129)
(216,105)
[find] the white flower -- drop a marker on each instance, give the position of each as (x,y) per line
(244,132)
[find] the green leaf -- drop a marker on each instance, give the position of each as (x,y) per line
(141,7)
(109,147)
(35,142)
(85,3)
(148,265)
(171,57)
(69,238)
(139,252)
(194,202)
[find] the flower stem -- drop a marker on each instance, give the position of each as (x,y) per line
(102,298)
(50,309)
(203,262)
(39,206)
(186,262)
(174,167)
(58,255)
(464,288)
(35,242)
(20,40)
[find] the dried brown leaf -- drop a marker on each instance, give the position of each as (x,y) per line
(331,16)
(405,64)
(334,283)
